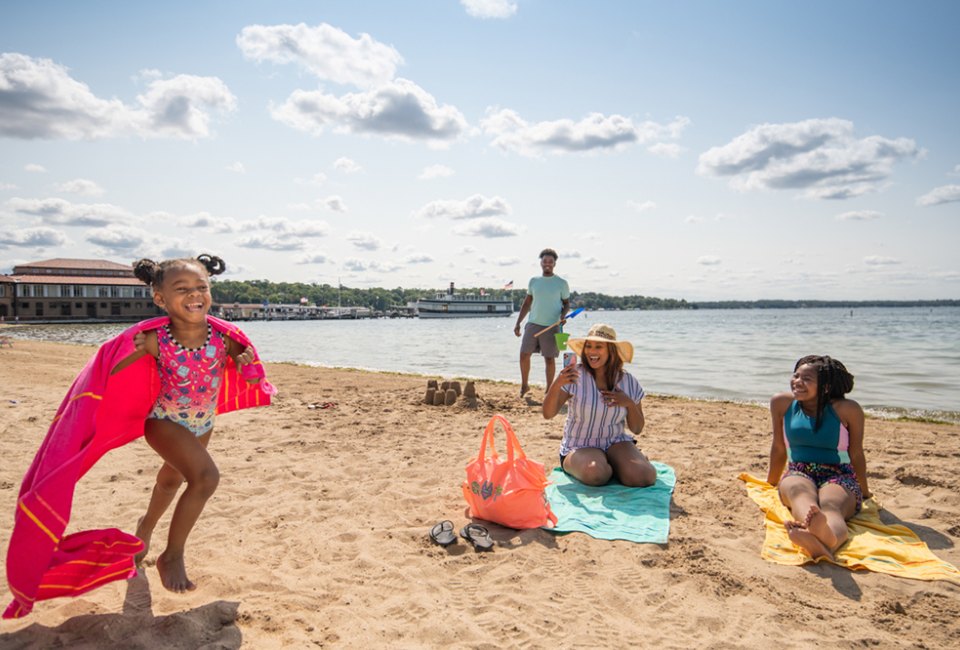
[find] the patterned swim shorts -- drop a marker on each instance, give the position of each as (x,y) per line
(821,474)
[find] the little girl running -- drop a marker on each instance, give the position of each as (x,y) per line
(818,434)
(163,378)
(191,357)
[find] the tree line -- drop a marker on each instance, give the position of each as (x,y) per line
(379,299)
(259,291)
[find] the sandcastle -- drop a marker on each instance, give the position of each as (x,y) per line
(446,393)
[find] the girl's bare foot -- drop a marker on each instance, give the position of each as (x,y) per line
(816,522)
(173,573)
(807,541)
(144,536)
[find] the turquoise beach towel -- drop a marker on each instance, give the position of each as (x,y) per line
(613,511)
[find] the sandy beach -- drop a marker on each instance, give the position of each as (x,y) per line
(317,535)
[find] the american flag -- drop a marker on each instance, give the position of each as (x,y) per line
(508,285)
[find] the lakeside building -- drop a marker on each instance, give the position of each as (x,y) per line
(74,289)
(71,290)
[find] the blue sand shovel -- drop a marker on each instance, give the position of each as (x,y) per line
(567,317)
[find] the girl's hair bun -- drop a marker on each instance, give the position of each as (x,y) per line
(146,271)
(213,264)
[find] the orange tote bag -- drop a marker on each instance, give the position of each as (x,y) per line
(510,493)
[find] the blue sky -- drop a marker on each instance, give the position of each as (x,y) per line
(697,150)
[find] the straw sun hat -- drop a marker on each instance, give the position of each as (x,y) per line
(604,334)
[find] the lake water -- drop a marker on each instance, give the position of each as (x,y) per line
(906,360)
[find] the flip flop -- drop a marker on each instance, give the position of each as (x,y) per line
(477,535)
(442,533)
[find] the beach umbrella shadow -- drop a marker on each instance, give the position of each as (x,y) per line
(213,625)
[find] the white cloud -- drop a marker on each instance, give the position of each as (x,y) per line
(31,237)
(316,258)
(358,266)
(210,222)
(80,186)
(355,264)
(435,171)
(281,234)
(472,207)
(489,227)
(820,156)
(325,51)
(940,195)
(490,8)
(287,228)
(595,132)
(39,99)
(641,207)
(237,167)
(271,242)
(570,254)
(335,203)
(397,109)
(178,249)
(859,215)
(506,261)
(347,165)
(877,260)
(709,260)
(364,241)
(317,179)
(178,107)
(118,239)
(417,258)
(594,263)
(692,218)
(34,168)
(955,172)
(7,186)
(666,149)
(62,212)
(148,74)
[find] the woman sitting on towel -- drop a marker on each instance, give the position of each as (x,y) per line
(818,435)
(604,401)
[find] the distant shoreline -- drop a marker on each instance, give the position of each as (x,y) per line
(378,299)
(812,304)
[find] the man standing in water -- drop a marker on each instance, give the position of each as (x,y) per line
(547,301)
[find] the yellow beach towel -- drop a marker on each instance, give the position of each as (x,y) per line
(895,550)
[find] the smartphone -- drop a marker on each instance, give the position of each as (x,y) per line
(569,359)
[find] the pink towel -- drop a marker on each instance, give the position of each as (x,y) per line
(100,412)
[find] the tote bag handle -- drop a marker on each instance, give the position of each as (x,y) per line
(513,444)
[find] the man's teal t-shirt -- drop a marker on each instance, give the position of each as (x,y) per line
(548,296)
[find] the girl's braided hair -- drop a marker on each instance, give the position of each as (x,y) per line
(151,273)
(833,381)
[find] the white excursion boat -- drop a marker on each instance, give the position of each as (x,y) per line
(465,305)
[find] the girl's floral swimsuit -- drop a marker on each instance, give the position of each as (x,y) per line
(189,380)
